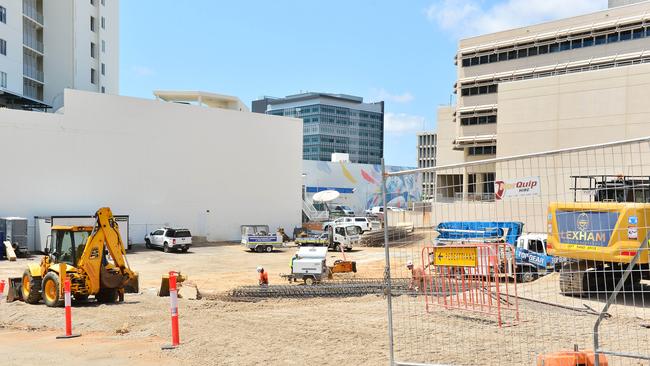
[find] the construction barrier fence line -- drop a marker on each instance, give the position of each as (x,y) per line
(522,260)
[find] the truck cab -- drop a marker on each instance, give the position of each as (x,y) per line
(532,257)
(345,237)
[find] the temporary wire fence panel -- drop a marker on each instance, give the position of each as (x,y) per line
(573,228)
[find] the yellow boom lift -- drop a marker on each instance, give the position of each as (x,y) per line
(92,258)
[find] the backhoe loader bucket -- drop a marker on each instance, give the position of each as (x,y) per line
(133,285)
(14,293)
(164,284)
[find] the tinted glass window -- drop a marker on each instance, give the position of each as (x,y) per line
(182,234)
(626,35)
(158,232)
(360,219)
(587,42)
(170,232)
(612,37)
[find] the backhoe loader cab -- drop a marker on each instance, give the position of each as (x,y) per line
(91,258)
(67,243)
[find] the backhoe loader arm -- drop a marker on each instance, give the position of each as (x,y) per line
(105,233)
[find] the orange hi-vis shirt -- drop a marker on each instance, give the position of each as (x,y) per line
(264,278)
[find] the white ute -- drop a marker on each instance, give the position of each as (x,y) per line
(169,239)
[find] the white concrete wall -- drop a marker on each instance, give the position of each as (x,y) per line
(160,163)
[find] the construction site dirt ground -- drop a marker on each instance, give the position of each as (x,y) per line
(331,331)
(273,332)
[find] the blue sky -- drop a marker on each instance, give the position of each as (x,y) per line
(398,51)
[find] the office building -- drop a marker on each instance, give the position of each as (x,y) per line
(47,46)
(530,89)
(333,123)
(427,145)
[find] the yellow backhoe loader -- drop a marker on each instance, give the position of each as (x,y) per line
(92,258)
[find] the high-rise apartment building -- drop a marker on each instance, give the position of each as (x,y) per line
(427,145)
(333,123)
(47,46)
(606,40)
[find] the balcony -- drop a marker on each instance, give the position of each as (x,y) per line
(34,44)
(32,13)
(33,73)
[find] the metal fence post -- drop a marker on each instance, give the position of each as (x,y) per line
(597,351)
(389,301)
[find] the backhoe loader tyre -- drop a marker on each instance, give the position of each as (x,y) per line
(52,290)
(106,295)
(31,288)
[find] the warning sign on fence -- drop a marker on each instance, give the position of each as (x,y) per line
(455,256)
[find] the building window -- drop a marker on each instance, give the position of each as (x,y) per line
(103,23)
(92,2)
(3,79)
(3,47)
(482,150)
(103,69)
(92,23)
(478,90)
(93,76)
(103,90)
(3,14)
(478,120)
(560,44)
(103,46)
(93,50)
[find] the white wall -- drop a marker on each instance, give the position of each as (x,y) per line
(160,163)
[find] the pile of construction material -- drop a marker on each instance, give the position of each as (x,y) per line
(343,288)
(375,238)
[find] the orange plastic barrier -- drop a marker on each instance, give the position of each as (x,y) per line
(571,358)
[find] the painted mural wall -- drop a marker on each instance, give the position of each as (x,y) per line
(360,184)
